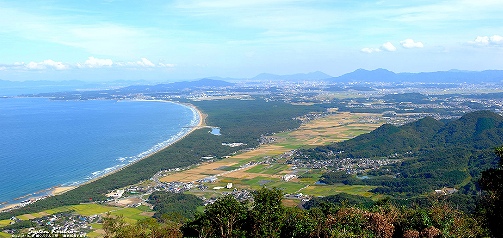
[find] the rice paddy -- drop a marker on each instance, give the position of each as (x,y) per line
(249,169)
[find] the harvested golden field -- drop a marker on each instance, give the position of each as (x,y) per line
(218,167)
(322,131)
(333,128)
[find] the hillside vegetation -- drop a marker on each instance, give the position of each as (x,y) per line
(433,155)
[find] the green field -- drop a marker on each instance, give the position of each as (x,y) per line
(288,187)
(82,209)
(267,168)
(94,234)
(87,210)
(131,215)
(259,181)
(95,227)
(257,169)
(3,234)
(275,169)
(56,210)
(4,222)
(91,209)
(310,175)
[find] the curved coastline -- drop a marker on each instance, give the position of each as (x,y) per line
(198,121)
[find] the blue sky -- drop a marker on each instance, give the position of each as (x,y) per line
(188,39)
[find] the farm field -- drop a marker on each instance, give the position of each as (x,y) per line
(221,167)
(333,128)
(264,165)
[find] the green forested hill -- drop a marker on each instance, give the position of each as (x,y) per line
(477,130)
(433,154)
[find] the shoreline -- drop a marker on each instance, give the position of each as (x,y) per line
(200,117)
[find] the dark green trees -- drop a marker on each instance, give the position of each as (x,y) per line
(229,218)
(267,217)
(492,203)
(174,204)
(224,218)
(149,227)
(268,213)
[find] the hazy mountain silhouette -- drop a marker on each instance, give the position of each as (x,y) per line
(452,76)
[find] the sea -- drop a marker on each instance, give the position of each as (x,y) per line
(47,143)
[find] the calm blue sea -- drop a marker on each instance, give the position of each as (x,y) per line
(46,143)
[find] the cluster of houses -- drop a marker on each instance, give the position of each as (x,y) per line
(445,191)
(267,140)
(288,177)
(236,144)
(240,195)
(63,224)
(175,187)
(350,165)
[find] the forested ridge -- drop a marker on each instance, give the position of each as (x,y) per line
(477,130)
(433,155)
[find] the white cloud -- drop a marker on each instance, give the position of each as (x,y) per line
(145,63)
(482,40)
(167,65)
(388,47)
(46,64)
(34,66)
(495,40)
(409,43)
(370,50)
(55,65)
(92,62)
(142,63)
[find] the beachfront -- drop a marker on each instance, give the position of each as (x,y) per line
(196,122)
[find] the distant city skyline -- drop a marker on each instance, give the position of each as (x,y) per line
(104,40)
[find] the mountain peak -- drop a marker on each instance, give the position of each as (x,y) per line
(451,76)
(367,75)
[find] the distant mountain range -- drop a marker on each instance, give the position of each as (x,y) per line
(452,76)
(177,86)
(358,76)
(384,75)
(309,76)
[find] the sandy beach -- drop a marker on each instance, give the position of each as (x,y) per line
(62,189)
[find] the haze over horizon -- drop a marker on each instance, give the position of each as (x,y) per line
(178,40)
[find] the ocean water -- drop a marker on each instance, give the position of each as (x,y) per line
(46,143)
